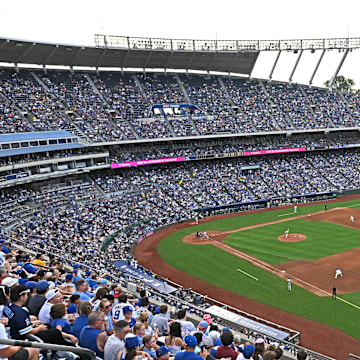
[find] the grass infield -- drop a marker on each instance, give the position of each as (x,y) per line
(217,267)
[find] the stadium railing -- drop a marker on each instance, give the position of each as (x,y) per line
(291,344)
(85,353)
(353,357)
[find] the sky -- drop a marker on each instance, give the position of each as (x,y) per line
(76,22)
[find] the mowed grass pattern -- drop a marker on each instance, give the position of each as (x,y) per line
(218,268)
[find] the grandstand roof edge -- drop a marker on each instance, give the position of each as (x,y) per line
(40,135)
(184,138)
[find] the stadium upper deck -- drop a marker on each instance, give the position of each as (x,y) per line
(114,106)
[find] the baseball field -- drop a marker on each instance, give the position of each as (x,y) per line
(249,256)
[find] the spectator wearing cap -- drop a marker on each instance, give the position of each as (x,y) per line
(39,260)
(116,342)
(132,349)
(53,296)
(247,352)
(150,346)
(203,326)
(80,286)
(19,320)
(10,282)
(101,283)
(128,312)
(160,321)
(162,353)
(206,347)
(131,346)
(259,348)
(187,327)
(38,300)
(215,335)
(69,280)
(31,285)
(117,291)
(225,350)
(188,354)
(93,336)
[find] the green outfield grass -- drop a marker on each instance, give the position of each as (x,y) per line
(262,242)
(217,267)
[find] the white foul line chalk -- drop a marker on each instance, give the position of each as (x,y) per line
(247,274)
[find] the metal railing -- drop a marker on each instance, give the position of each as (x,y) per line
(50,347)
(353,357)
(142,43)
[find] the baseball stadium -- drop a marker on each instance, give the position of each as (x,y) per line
(162,167)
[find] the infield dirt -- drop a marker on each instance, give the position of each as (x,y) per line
(315,336)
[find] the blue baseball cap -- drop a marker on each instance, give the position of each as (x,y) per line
(190,341)
(248,351)
(42,285)
(127,309)
(162,350)
(31,285)
(131,341)
(69,277)
(203,324)
(23,281)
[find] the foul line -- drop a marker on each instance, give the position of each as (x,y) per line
(352,205)
(248,274)
(273,222)
(291,213)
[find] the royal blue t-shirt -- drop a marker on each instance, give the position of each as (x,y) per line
(187,355)
(66,326)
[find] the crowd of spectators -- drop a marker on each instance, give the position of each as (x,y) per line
(72,221)
(41,298)
(116,106)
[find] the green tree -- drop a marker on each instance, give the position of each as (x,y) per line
(341,84)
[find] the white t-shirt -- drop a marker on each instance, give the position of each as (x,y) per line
(3,335)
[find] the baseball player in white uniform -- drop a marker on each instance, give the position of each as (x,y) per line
(338,272)
(352,219)
(295,209)
(289,283)
(287,233)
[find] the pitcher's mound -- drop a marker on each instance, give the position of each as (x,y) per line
(292,237)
